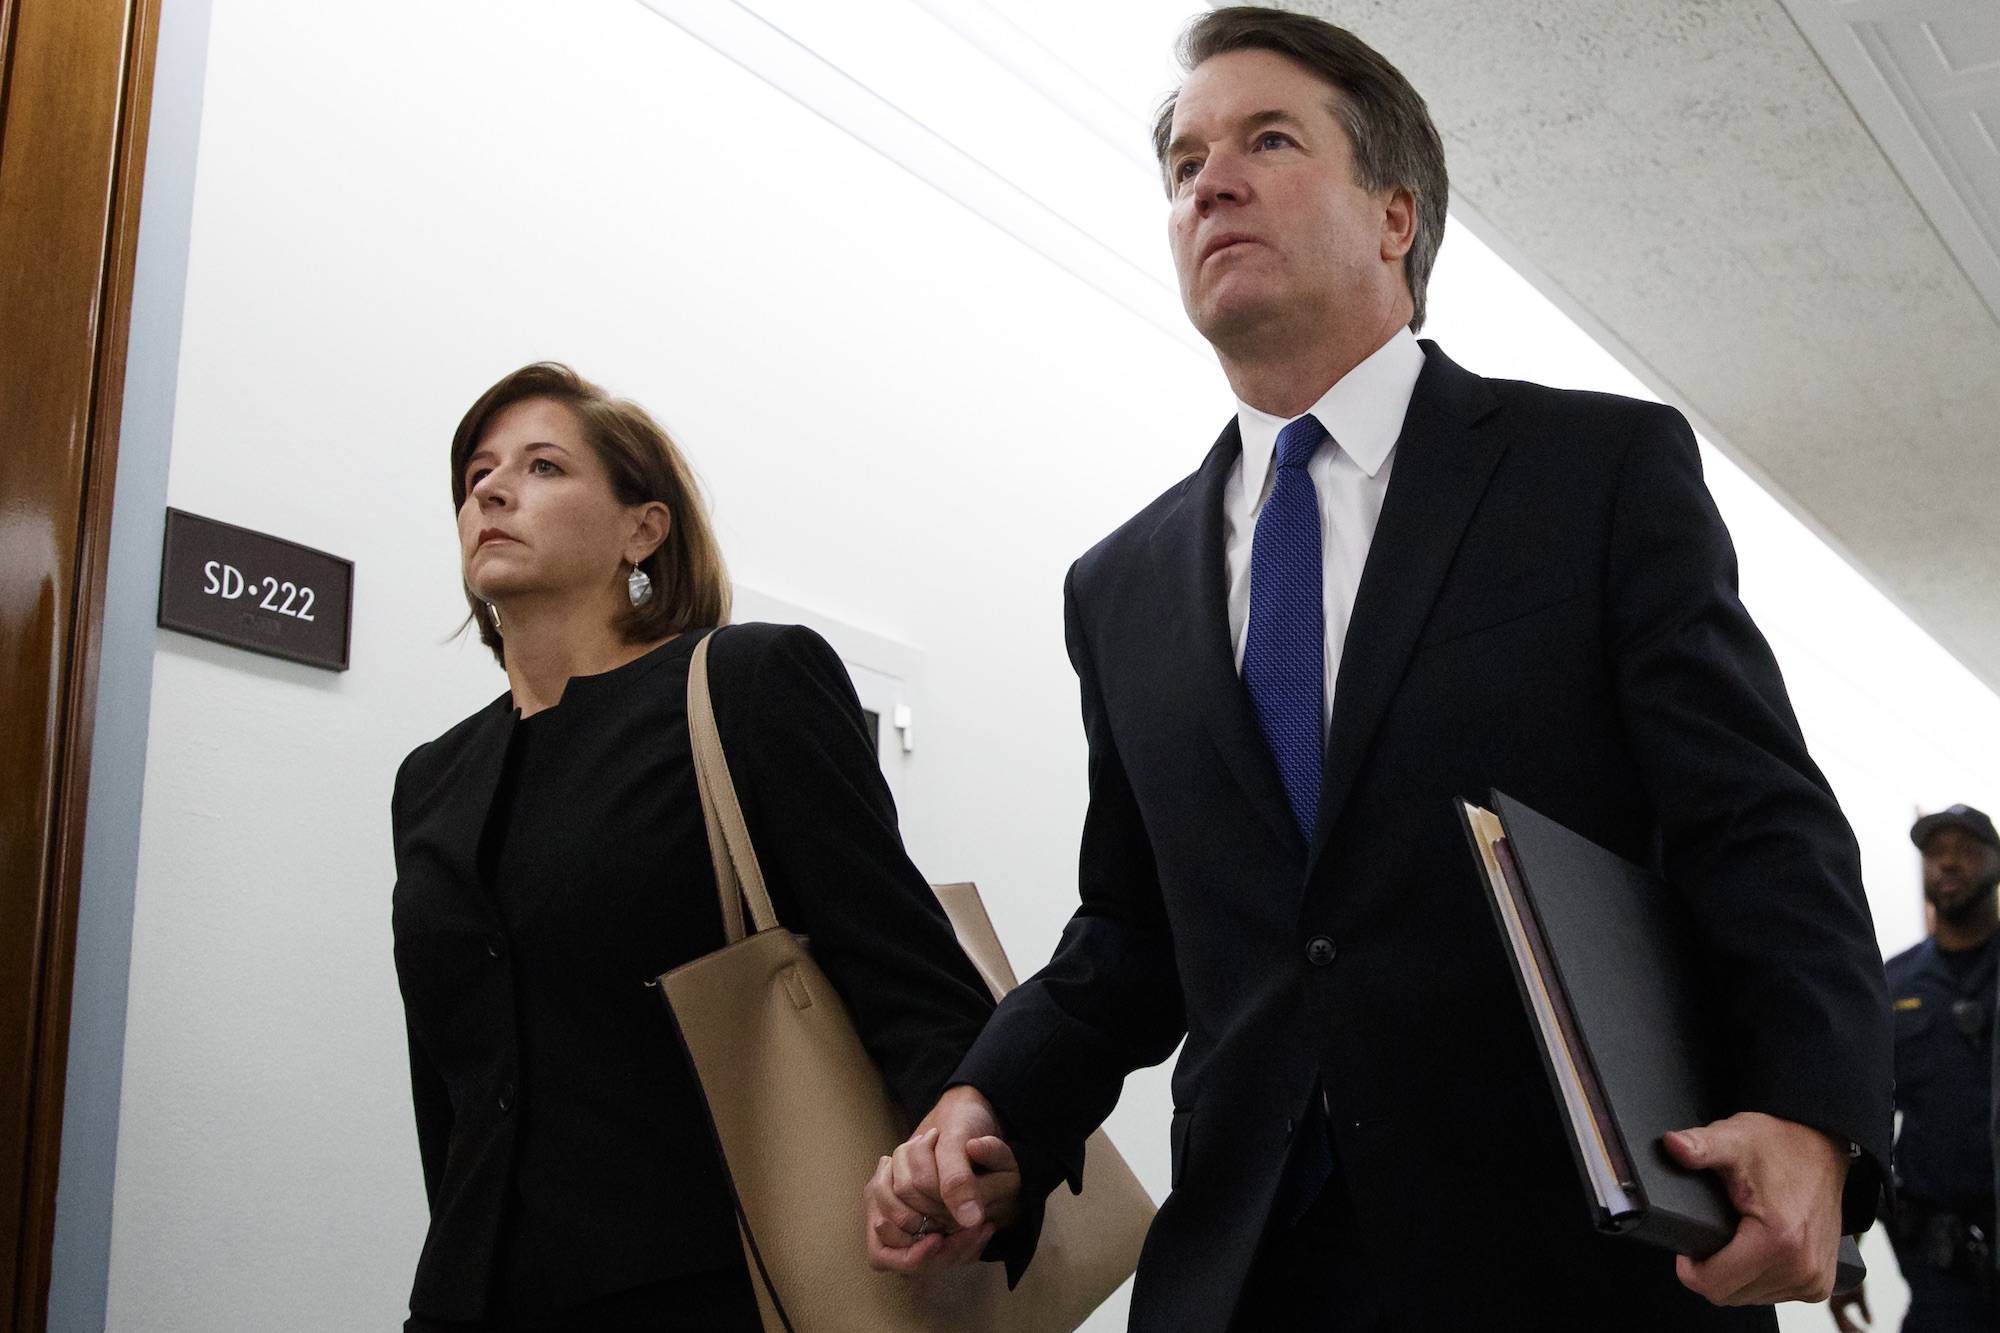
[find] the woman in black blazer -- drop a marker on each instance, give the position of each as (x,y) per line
(551,861)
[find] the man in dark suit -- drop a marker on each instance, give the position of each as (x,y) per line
(1392,583)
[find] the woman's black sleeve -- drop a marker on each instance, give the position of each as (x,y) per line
(429,1097)
(824,825)
(434,1116)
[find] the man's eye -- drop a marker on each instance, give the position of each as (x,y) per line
(1185,169)
(1272,139)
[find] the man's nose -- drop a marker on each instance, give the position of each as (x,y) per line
(1217,183)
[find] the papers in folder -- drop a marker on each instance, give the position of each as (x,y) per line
(1607,1167)
(1606,959)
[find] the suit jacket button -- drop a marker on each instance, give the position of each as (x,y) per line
(493,945)
(507,1097)
(1319,951)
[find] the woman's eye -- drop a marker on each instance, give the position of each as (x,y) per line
(539,464)
(473,477)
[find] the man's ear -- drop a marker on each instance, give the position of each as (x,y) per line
(653,522)
(1399,223)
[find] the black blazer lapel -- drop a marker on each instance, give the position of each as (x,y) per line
(1442,466)
(1187,548)
(449,816)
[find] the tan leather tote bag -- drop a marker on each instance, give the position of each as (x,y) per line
(801,1116)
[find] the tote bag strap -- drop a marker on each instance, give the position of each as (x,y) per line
(738,877)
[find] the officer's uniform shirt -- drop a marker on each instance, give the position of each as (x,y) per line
(1944,1078)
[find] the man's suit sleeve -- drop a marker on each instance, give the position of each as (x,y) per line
(1751,834)
(1055,1055)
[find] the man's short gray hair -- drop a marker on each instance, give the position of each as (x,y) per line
(1389,127)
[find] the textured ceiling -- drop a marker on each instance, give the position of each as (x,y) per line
(1689,174)
(1924,76)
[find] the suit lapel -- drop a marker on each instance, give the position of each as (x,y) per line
(1187,548)
(1442,466)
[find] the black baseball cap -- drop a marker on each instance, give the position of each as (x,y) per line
(1975,822)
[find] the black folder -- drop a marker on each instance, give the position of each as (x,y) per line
(1606,959)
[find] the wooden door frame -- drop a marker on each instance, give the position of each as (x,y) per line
(75,92)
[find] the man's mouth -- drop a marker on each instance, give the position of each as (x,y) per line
(1222,243)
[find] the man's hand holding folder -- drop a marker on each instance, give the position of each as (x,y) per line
(1612,974)
(1786,1181)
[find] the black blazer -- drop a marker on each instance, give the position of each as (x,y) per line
(1549,607)
(566,1151)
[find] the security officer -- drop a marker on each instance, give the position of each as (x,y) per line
(1944,992)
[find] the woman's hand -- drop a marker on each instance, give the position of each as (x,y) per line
(939,1198)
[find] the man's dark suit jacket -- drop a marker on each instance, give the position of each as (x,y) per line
(1548,607)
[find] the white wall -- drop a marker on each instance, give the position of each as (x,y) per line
(910,418)
(395,204)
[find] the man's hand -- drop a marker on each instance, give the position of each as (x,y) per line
(940,1197)
(1842,1308)
(1785,1179)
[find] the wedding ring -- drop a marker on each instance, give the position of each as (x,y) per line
(923,1229)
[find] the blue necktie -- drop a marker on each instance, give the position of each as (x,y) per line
(1284,652)
(1284,668)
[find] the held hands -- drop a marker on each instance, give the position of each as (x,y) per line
(937,1201)
(1786,1180)
(1843,1308)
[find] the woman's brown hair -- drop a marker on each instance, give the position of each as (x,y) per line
(690,586)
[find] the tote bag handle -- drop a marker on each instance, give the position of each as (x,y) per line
(738,877)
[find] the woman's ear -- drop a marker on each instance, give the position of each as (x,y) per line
(654,522)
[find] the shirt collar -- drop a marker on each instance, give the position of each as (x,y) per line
(1363,411)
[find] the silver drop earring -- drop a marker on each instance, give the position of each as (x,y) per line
(493,611)
(638,586)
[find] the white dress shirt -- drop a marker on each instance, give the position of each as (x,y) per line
(1363,415)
